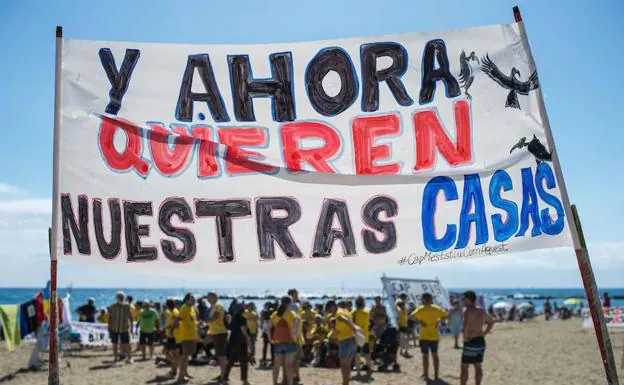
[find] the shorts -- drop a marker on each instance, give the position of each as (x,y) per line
(364,349)
(146,339)
(117,337)
(220,342)
(171,344)
(404,329)
(347,347)
(189,347)
(285,349)
(428,346)
(473,351)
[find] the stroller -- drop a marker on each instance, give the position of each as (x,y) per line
(386,349)
(330,357)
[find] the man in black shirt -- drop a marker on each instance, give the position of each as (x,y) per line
(86,312)
(239,343)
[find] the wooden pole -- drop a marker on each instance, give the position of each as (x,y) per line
(53,367)
(576,231)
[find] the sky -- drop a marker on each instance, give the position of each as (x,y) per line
(577,47)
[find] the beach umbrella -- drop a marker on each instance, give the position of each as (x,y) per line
(573,301)
(502,305)
(525,305)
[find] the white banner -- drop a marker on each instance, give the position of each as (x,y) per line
(95,334)
(613,317)
(389,150)
(415,288)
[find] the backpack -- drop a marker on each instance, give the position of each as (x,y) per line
(281,332)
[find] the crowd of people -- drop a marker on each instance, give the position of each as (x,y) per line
(340,334)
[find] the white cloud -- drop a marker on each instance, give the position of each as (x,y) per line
(7,189)
(26,206)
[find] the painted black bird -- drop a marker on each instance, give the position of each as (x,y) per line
(535,147)
(515,85)
(466,76)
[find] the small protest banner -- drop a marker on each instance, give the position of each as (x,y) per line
(613,317)
(95,334)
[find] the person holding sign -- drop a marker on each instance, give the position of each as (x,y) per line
(429,316)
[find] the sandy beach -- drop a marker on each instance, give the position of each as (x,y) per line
(555,353)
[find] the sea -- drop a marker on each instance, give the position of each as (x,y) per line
(105,296)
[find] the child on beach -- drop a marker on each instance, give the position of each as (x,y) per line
(456,319)
(474,342)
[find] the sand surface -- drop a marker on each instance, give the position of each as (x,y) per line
(534,352)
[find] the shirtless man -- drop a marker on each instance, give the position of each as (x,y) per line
(474,342)
(379,317)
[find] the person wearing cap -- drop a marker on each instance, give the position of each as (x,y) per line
(86,312)
(148,327)
(119,327)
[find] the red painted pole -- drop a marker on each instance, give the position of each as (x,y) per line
(53,366)
(576,231)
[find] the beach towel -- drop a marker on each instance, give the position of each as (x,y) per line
(9,316)
(28,318)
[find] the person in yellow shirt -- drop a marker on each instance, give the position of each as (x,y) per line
(296,307)
(102,317)
(403,328)
(252,324)
(361,317)
(133,309)
(285,340)
(172,337)
(428,316)
(188,334)
(317,337)
(217,330)
(307,313)
(345,333)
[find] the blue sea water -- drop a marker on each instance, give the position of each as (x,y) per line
(105,296)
